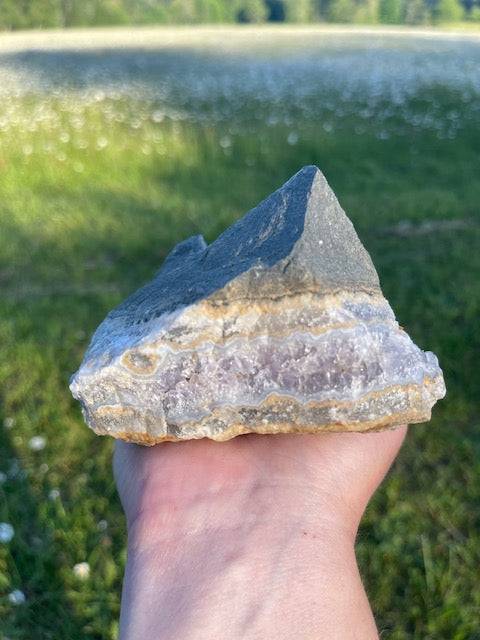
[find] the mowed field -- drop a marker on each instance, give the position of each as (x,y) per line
(115,145)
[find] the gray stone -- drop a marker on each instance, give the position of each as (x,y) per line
(279,325)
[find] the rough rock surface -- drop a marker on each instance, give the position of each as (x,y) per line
(279,325)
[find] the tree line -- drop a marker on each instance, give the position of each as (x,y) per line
(26,14)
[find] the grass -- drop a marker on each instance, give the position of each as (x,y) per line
(90,204)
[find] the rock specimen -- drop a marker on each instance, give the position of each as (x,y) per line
(279,325)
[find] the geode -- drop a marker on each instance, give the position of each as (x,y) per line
(278,326)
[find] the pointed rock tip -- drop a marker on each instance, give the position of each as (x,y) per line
(301,222)
(303,180)
(327,246)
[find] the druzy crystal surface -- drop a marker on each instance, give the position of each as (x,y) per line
(278,326)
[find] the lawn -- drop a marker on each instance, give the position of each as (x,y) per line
(116,145)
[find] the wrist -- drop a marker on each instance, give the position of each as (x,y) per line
(243,560)
(252,505)
(279,578)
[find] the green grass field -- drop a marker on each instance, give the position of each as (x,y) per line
(98,181)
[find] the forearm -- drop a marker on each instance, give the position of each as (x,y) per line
(260,578)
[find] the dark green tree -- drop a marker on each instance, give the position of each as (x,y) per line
(147,11)
(183,11)
(341,11)
(391,11)
(42,14)
(276,10)
(366,12)
(298,10)
(320,9)
(417,12)
(255,11)
(12,15)
(448,11)
(78,13)
(110,12)
(214,11)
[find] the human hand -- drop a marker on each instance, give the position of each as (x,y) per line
(249,538)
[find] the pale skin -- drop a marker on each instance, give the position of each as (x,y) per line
(250,539)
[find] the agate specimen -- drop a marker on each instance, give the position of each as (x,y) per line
(278,326)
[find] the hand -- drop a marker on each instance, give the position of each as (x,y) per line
(248,539)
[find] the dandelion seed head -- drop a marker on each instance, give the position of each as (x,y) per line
(102,525)
(16,597)
(6,532)
(158,116)
(101,143)
(225,142)
(292,138)
(53,494)
(81,570)
(77,123)
(37,443)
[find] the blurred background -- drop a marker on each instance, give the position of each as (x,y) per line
(118,142)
